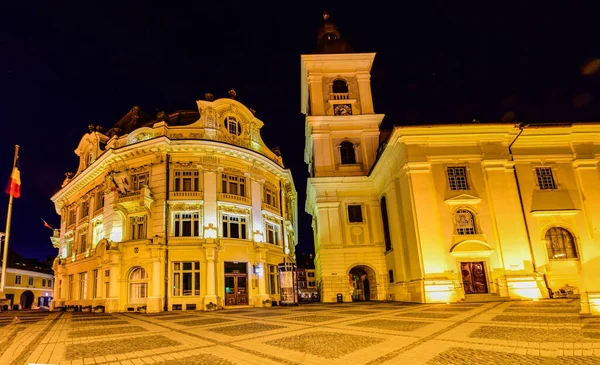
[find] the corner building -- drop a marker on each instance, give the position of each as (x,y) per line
(188,210)
(443,213)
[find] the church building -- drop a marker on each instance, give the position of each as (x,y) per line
(182,211)
(443,212)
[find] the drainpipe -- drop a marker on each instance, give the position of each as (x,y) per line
(167,168)
(512,159)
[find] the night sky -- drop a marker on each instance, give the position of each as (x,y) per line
(64,66)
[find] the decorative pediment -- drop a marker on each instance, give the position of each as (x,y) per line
(140,135)
(471,248)
(463,199)
(554,213)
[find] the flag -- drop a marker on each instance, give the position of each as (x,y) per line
(46,224)
(14,183)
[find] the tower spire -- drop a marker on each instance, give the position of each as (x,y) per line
(329,39)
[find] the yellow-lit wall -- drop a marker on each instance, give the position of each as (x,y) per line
(37,289)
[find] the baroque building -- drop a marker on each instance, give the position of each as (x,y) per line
(188,210)
(443,213)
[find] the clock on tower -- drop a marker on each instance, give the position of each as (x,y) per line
(342,109)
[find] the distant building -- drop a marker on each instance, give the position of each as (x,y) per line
(188,210)
(307,286)
(443,213)
(28,284)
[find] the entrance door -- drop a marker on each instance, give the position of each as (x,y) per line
(473,275)
(236,289)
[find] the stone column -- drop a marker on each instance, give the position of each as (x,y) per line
(262,275)
(211,297)
(364,90)
(317,100)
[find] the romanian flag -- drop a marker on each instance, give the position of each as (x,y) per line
(14,183)
(46,224)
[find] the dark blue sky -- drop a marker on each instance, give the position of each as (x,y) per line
(66,65)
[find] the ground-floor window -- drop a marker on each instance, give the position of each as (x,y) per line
(273,280)
(70,291)
(138,285)
(186,278)
(95,283)
(83,285)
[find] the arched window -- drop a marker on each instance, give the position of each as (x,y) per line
(386,225)
(138,285)
(233,126)
(560,244)
(347,153)
(339,86)
(464,222)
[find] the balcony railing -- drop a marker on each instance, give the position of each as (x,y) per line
(340,96)
(234,198)
(194,195)
(270,208)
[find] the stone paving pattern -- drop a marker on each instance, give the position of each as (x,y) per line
(372,333)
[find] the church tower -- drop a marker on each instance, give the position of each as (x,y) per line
(342,138)
(342,129)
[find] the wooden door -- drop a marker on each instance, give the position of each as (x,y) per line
(236,289)
(473,275)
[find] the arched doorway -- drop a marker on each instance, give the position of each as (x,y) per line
(138,286)
(363,281)
(26,299)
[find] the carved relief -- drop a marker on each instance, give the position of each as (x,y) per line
(211,118)
(183,207)
(233,209)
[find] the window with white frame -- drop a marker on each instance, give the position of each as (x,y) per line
(137,227)
(82,241)
(186,278)
(355,213)
(457,178)
(187,224)
(273,279)
(234,226)
(464,222)
(545,179)
(18,279)
(99,200)
(95,283)
(83,285)
(139,181)
(233,184)
(186,181)
(232,125)
(272,231)
(138,285)
(98,234)
(270,196)
(30,282)
(84,209)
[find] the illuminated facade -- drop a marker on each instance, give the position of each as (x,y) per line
(28,287)
(443,213)
(184,211)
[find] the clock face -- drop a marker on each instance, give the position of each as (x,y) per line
(342,109)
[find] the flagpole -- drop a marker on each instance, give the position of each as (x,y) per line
(7,233)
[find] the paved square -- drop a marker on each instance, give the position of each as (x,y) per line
(371,333)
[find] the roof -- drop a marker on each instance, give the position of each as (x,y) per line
(330,39)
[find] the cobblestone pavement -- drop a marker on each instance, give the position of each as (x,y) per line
(372,333)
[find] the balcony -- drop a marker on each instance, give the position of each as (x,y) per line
(232,198)
(340,96)
(271,208)
(186,195)
(136,198)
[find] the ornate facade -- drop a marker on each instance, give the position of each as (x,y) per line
(443,213)
(188,210)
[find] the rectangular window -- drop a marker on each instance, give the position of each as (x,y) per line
(186,181)
(273,280)
(457,178)
(82,242)
(139,181)
(83,285)
(545,179)
(355,213)
(391,275)
(44,283)
(270,197)
(272,233)
(70,288)
(49,283)
(95,283)
(30,282)
(234,226)
(231,184)
(99,200)
(107,289)
(84,209)
(186,278)
(98,234)
(70,247)
(18,279)
(187,224)
(71,216)
(311,274)
(137,226)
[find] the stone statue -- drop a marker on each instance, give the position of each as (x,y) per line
(162,117)
(209,97)
(232,93)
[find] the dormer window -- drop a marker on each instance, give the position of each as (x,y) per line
(347,153)
(232,126)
